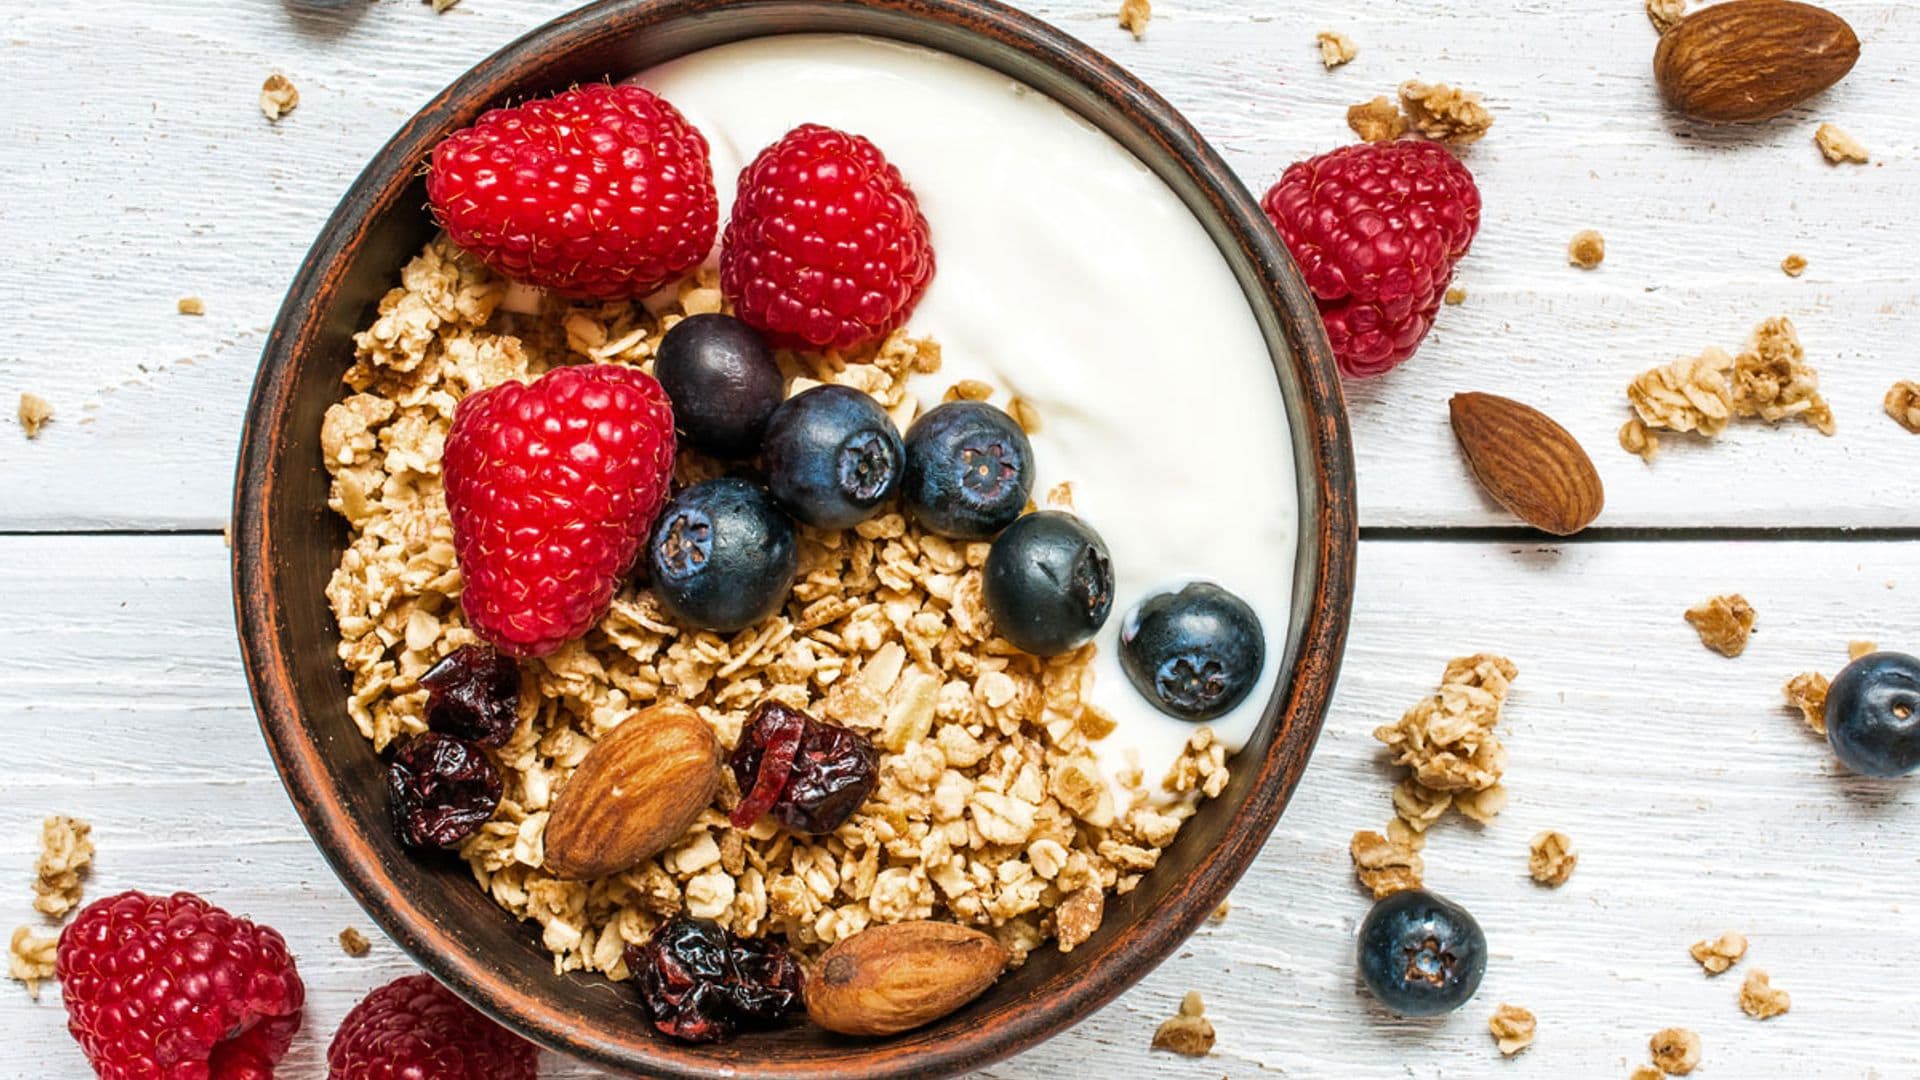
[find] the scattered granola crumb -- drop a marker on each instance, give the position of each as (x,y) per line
(1444,113)
(1665,14)
(1689,394)
(1551,858)
(1449,743)
(191,305)
(1587,249)
(31,959)
(354,943)
(1771,378)
(1378,120)
(1385,865)
(1336,48)
(66,851)
(34,413)
(278,96)
(441,5)
(1903,404)
(1455,295)
(1718,955)
(1186,1032)
(1807,692)
(968,390)
(1675,1050)
(1794,265)
(1762,1000)
(1512,1028)
(1646,1072)
(1024,414)
(1723,623)
(1839,147)
(1220,913)
(1636,439)
(1858,649)
(1134,15)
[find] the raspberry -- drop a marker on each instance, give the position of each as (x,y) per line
(415,1029)
(552,485)
(603,192)
(1377,229)
(177,989)
(827,247)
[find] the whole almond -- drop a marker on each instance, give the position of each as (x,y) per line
(1748,60)
(1532,465)
(888,979)
(634,793)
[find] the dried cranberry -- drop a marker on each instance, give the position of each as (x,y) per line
(699,982)
(474,692)
(832,770)
(443,789)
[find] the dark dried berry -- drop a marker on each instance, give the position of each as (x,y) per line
(443,789)
(828,770)
(699,982)
(474,692)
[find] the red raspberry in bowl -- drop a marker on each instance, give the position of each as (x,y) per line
(551,486)
(827,247)
(415,1029)
(1377,229)
(174,988)
(602,193)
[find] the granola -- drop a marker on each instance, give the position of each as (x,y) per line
(442,5)
(1666,14)
(1378,120)
(1445,114)
(1903,404)
(1723,623)
(1187,1031)
(1771,379)
(1388,864)
(1645,1072)
(1762,1000)
(1587,250)
(1690,394)
(1133,17)
(1449,744)
(1718,955)
(354,943)
(1793,265)
(1807,692)
(1839,147)
(1675,1050)
(1512,1028)
(66,853)
(31,959)
(1551,858)
(34,412)
(1456,296)
(278,97)
(1858,649)
(191,305)
(1335,48)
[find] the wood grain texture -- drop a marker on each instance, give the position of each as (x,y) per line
(1696,801)
(140,171)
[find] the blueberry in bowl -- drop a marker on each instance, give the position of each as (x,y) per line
(723,382)
(969,470)
(833,457)
(1873,715)
(722,556)
(1048,583)
(1421,954)
(1196,653)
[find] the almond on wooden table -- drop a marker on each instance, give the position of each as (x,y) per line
(892,978)
(634,794)
(1748,60)
(1532,465)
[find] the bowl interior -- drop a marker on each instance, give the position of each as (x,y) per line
(287,542)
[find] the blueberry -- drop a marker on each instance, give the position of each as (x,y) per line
(969,470)
(833,456)
(1421,954)
(1048,583)
(1195,653)
(722,556)
(1873,715)
(723,383)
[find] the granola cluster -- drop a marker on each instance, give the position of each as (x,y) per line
(34,412)
(31,958)
(278,96)
(1336,48)
(1675,1050)
(1512,1028)
(990,809)
(1770,380)
(1762,1000)
(1724,623)
(1551,858)
(1666,14)
(1444,113)
(1903,404)
(66,852)
(1378,120)
(1838,147)
(1188,1031)
(1807,692)
(1716,956)
(1587,250)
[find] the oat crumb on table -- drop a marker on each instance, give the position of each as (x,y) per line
(278,96)
(1675,1050)
(1386,865)
(34,413)
(1716,956)
(31,959)
(1378,120)
(441,5)
(1512,1028)
(1762,1000)
(66,853)
(1840,147)
(1449,744)
(1724,623)
(1444,113)
(191,305)
(1807,692)
(1858,649)
(1646,1072)
(1587,250)
(1134,15)
(354,943)
(1551,858)
(1336,48)
(1187,1031)
(1772,380)
(1690,394)
(1793,265)
(1220,913)
(1455,296)
(1903,404)
(1665,14)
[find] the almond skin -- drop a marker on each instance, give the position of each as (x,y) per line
(634,794)
(1533,466)
(888,979)
(1748,60)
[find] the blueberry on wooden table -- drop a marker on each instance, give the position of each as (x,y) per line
(700,983)
(1196,653)
(441,790)
(1420,954)
(1873,715)
(832,456)
(723,382)
(969,470)
(474,692)
(722,556)
(1048,583)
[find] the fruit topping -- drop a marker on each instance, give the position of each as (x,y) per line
(551,485)
(1420,954)
(171,986)
(722,556)
(827,247)
(833,456)
(810,776)
(969,470)
(602,192)
(415,1029)
(897,976)
(1048,583)
(1377,229)
(699,982)
(1195,653)
(442,789)
(474,693)
(723,381)
(1873,715)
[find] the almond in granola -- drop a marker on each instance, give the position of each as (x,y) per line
(1762,1000)
(1186,1032)
(278,96)
(1336,48)
(1134,15)
(1445,114)
(1903,404)
(1807,692)
(1840,147)
(34,413)
(1587,250)
(1378,120)
(1512,1028)
(1724,623)
(31,959)
(1675,1050)
(1551,858)
(1716,956)
(66,854)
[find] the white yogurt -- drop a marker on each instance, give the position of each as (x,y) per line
(1069,275)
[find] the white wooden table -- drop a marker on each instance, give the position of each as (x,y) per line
(135,169)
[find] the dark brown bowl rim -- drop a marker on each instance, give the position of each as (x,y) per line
(1323,580)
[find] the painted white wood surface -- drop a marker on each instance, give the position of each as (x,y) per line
(138,170)
(1696,801)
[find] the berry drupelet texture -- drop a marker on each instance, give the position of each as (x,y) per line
(415,1029)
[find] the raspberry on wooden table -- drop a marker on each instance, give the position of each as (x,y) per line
(603,192)
(415,1029)
(551,486)
(172,987)
(827,247)
(1377,229)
